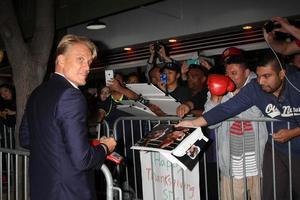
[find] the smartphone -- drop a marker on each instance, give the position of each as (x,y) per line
(163,78)
(115,157)
(109,75)
(192,61)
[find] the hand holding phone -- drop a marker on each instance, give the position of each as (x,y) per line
(109,75)
(192,62)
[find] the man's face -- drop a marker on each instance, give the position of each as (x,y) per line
(75,63)
(196,79)
(269,80)
(133,79)
(104,93)
(5,93)
(237,73)
(155,76)
(172,76)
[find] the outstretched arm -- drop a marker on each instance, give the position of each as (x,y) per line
(114,85)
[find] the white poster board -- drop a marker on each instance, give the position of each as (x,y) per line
(157,173)
(145,89)
(155,96)
(135,108)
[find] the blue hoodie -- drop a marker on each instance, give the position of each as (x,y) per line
(286,107)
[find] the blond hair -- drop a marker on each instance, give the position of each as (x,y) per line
(70,40)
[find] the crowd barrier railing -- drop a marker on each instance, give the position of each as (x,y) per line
(12,159)
(128,130)
(14,174)
(7,139)
(96,130)
(14,182)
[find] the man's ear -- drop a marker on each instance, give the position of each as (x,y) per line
(60,60)
(247,72)
(59,63)
(282,74)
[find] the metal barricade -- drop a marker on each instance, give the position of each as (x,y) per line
(260,156)
(128,130)
(7,139)
(96,130)
(14,183)
(13,174)
(14,165)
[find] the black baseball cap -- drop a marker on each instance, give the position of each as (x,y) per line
(172,66)
(200,67)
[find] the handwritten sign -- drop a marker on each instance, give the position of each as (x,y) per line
(163,180)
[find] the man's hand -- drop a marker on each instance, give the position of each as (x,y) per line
(156,110)
(9,112)
(162,54)
(182,110)
(161,85)
(200,121)
(110,142)
(205,63)
(3,114)
(284,23)
(186,123)
(114,85)
(284,135)
(184,70)
(269,37)
(151,49)
(216,98)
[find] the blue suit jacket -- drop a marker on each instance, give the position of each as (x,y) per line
(54,130)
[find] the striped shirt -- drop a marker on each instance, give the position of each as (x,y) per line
(242,139)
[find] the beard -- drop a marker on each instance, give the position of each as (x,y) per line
(270,89)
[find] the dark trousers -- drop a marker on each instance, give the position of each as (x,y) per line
(281,174)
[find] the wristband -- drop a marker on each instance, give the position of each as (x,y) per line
(95,143)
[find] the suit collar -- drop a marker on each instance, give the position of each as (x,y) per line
(75,86)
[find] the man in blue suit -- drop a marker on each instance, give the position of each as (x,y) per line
(54,129)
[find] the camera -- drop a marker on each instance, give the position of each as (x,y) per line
(279,36)
(157,46)
(270,26)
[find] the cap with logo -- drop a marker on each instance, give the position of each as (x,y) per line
(233,55)
(172,66)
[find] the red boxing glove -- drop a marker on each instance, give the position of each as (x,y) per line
(219,84)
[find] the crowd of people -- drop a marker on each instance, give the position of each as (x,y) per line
(7,105)
(196,87)
(53,126)
(7,115)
